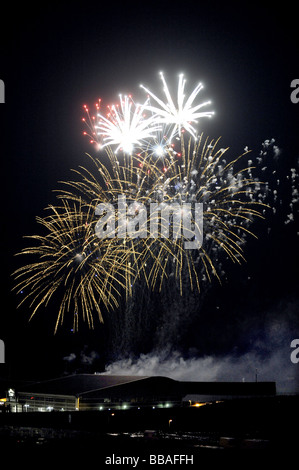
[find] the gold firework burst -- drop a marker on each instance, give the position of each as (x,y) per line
(198,173)
(84,274)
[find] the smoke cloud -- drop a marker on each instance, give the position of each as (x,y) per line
(248,367)
(82,361)
(268,359)
(70,358)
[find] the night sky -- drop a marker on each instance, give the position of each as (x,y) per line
(57,57)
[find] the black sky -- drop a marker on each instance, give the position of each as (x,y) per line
(55,57)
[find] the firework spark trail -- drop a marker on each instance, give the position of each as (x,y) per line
(125,126)
(140,182)
(181,115)
(90,122)
(84,273)
(229,207)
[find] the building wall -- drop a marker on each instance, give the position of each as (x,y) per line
(97,392)
(46,402)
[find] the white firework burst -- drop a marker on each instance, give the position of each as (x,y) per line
(181,115)
(126,125)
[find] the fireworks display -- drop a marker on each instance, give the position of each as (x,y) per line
(129,126)
(86,272)
(182,115)
(125,126)
(73,267)
(198,173)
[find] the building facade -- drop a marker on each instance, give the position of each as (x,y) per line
(92,392)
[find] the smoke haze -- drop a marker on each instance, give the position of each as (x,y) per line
(266,359)
(276,367)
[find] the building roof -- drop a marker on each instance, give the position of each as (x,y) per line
(80,384)
(92,386)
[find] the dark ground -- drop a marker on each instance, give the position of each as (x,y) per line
(261,430)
